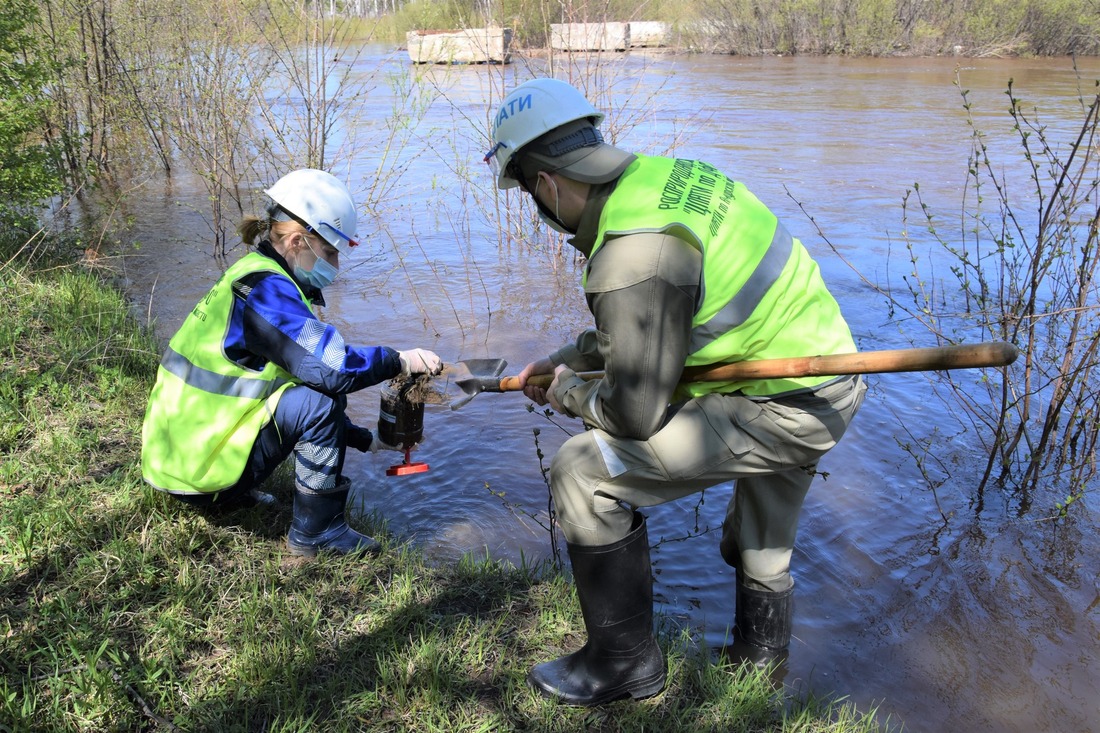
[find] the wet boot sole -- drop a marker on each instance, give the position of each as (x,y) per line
(636,689)
(303,550)
(313,551)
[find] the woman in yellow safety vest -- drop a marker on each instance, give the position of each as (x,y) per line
(253,376)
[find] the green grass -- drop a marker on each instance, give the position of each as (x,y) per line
(125,610)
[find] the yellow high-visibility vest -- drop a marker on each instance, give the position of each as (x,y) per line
(762,295)
(205,410)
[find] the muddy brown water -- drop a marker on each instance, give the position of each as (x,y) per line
(984,622)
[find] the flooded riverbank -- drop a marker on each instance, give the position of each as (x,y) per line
(907,598)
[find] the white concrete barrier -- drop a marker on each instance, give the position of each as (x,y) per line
(467,46)
(648,33)
(590,36)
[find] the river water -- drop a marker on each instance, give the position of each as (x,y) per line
(976,622)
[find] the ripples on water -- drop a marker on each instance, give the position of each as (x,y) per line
(973,623)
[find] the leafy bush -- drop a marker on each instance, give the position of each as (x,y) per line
(1023,268)
(878,27)
(28,172)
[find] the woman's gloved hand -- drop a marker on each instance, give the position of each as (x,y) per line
(420,361)
(379,445)
(360,439)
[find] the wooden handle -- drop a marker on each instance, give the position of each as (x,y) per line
(936,358)
(511,384)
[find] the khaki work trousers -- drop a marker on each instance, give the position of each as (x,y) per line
(769,448)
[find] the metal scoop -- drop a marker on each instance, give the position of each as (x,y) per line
(477,376)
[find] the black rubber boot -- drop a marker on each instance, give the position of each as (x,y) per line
(230,500)
(257,498)
(621,658)
(762,633)
(319,525)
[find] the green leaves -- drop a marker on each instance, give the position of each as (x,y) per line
(28,173)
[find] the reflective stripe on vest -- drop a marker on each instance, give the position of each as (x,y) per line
(221,384)
(744,302)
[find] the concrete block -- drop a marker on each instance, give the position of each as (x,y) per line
(466,46)
(648,33)
(590,36)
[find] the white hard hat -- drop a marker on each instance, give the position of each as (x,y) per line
(321,203)
(531,110)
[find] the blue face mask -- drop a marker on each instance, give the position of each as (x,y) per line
(321,276)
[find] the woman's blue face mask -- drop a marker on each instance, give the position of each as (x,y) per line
(320,275)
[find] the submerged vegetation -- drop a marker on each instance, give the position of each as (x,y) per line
(1019,263)
(1036,285)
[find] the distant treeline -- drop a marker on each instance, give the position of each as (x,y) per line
(757,27)
(87,85)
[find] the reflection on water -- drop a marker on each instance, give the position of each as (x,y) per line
(984,623)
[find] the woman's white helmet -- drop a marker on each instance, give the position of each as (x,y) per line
(321,203)
(528,112)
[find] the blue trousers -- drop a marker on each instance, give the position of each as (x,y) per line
(311,425)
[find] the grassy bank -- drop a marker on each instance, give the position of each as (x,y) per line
(126,611)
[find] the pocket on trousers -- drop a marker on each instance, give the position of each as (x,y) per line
(698,438)
(732,420)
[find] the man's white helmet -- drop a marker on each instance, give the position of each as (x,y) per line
(528,112)
(320,202)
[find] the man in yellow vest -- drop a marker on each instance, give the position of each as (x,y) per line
(685,268)
(253,376)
